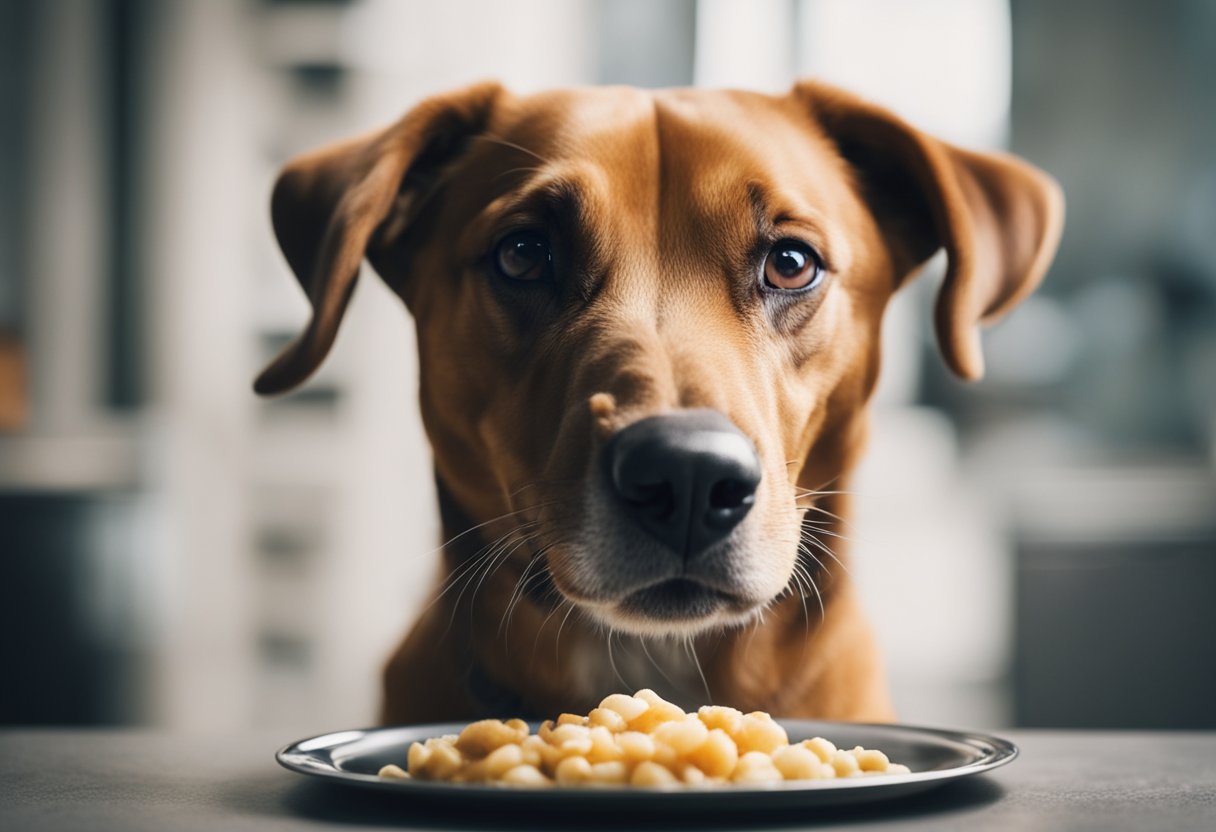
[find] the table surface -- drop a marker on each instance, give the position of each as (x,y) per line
(133,780)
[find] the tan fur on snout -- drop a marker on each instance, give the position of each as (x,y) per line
(659,209)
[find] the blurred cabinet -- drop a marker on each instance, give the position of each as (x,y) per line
(73,651)
(1115,625)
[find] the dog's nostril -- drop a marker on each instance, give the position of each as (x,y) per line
(730,494)
(657,501)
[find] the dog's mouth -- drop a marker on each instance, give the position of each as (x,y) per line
(671,604)
(679,601)
(676,599)
(676,606)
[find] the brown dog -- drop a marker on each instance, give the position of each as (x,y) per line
(648,326)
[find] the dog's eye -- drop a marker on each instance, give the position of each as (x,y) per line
(792,266)
(523,255)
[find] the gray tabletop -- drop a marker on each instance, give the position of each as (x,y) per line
(98,780)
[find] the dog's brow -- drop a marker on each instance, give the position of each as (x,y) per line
(503,142)
(560,200)
(766,217)
(760,210)
(771,219)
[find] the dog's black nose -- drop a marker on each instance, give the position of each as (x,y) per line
(688,478)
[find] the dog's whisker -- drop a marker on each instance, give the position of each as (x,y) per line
(563,601)
(810,495)
(520,591)
(460,570)
(472,529)
(517,594)
(512,171)
(489,561)
(840,492)
(818,528)
(539,484)
(501,141)
(757,621)
(696,662)
(827,550)
(557,642)
(801,495)
(803,550)
(538,509)
(553,590)
(827,527)
(829,520)
(796,584)
(466,568)
(823,488)
(816,506)
(653,663)
(806,616)
(612,661)
(813,506)
(462,579)
(815,532)
(503,557)
(806,613)
(810,580)
(819,521)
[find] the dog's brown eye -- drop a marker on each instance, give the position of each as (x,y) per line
(792,266)
(523,255)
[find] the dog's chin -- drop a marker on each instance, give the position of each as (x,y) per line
(675,607)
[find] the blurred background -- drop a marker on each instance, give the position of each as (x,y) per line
(1038,549)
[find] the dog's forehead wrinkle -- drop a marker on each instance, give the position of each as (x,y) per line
(734,155)
(610,127)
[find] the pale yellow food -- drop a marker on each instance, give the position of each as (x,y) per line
(640,740)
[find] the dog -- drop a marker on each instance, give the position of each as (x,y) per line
(648,327)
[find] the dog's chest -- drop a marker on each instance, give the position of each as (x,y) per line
(625,664)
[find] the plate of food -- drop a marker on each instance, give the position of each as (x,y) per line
(641,751)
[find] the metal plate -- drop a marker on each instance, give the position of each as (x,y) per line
(935,757)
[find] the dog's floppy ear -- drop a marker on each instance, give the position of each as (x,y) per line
(327,205)
(998,218)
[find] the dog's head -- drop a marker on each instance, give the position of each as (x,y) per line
(648,322)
